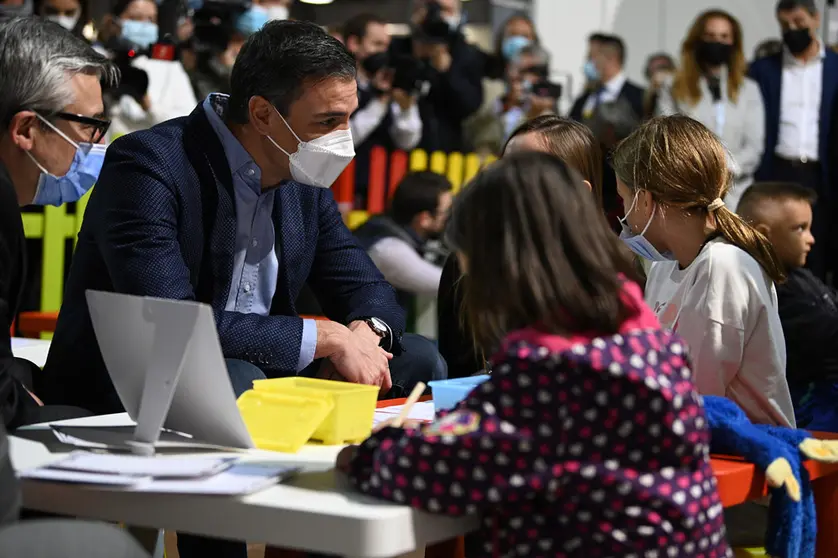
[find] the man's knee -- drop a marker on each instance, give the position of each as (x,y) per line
(242,375)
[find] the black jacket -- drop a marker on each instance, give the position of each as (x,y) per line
(809,313)
(455,344)
(630,92)
(15,402)
(453,96)
(9,487)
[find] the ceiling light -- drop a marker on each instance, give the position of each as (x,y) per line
(317,2)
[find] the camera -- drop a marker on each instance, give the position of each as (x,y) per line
(409,74)
(134,81)
(215,23)
(547,90)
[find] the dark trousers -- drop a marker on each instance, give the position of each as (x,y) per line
(420,362)
(809,175)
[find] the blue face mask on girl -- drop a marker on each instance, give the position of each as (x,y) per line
(638,243)
(80,177)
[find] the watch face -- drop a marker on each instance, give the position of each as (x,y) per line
(378,326)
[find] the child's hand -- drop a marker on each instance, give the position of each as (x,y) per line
(345,458)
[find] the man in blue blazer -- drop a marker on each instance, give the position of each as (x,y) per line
(799,87)
(230,206)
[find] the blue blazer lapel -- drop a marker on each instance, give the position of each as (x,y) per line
(216,182)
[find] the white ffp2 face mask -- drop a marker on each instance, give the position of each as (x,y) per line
(320,161)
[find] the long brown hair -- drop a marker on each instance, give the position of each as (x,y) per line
(683,165)
(537,251)
(686,87)
(570,141)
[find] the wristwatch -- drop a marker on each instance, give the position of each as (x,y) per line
(380,328)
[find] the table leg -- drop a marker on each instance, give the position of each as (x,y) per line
(826,501)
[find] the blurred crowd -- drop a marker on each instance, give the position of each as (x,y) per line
(432,89)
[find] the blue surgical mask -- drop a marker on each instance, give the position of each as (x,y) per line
(141,33)
(252,20)
(80,177)
(512,46)
(638,243)
(591,72)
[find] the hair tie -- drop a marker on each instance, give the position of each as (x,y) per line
(715,204)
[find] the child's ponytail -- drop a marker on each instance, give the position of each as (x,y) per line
(739,233)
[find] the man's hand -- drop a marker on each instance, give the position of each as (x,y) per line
(440,58)
(383,81)
(361,360)
(404,99)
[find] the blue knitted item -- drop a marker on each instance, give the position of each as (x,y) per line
(792,526)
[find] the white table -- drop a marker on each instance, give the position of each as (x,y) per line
(33,350)
(316,512)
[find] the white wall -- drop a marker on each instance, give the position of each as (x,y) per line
(646,26)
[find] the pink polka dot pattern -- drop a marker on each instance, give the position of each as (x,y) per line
(593,448)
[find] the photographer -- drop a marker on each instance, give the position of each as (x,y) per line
(153,90)
(387,114)
(452,68)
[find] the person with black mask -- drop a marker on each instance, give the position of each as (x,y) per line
(400,241)
(452,74)
(799,87)
(711,87)
(387,115)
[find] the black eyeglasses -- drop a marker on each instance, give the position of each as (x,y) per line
(97,126)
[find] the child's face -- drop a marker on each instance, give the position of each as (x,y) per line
(788,227)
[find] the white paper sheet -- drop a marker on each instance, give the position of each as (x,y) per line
(422,411)
(80,477)
(241,478)
(141,466)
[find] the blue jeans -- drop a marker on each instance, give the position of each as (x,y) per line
(419,362)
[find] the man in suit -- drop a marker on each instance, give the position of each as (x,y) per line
(799,87)
(611,107)
(230,206)
(608,82)
(51,106)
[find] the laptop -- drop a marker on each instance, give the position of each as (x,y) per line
(165,361)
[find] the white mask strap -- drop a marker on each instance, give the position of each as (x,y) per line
(287,126)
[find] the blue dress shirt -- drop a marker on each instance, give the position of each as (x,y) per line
(255,263)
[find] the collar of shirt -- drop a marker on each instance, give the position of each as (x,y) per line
(240,161)
(615,84)
(790,60)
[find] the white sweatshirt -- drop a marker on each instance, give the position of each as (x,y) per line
(725,307)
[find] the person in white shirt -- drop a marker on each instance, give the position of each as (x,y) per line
(711,86)
(399,241)
(387,115)
(800,88)
(712,280)
(169,93)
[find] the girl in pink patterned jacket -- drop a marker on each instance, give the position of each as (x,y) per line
(589,439)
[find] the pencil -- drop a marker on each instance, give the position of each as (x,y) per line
(408,405)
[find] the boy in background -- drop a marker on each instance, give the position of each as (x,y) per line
(808,307)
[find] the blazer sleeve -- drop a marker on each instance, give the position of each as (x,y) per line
(459,91)
(140,220)
(343,277)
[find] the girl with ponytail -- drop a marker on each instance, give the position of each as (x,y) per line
(712,275)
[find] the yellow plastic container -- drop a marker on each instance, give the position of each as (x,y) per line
(280,421)
(353,406)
